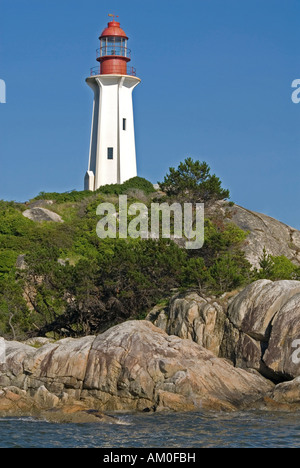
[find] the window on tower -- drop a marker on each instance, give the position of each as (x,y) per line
(110,153)
(118,46)
(124,124)
(103,44)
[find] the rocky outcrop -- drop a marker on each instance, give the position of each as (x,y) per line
(40,215)
(16,402)
(148,367)
(288,392)
(257,329)
(41,203)
(183,363)
(21,262)
(263,231)
(267,317)
(133,366)
(39,341)
(192,317)
(282,353)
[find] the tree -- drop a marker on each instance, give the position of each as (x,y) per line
(14,314)
(196,274)
(266,265)
(277,268)
(192,181)
(229,272)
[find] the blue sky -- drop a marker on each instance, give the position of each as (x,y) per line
(216,86)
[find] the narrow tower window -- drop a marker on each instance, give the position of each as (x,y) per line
(124,124)
(110,153)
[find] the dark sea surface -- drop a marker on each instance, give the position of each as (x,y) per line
(181,430)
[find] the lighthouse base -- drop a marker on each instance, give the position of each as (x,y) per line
(89,181)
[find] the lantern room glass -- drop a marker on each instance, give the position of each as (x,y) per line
(113,45)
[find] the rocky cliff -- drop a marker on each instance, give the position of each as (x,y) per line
(257,329)
(264,232)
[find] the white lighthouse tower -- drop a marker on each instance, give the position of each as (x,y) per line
(112,157)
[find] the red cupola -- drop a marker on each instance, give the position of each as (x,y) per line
(113,54)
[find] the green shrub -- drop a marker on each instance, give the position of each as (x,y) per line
(72,196)
(113,189)
(277,268)
(8,260)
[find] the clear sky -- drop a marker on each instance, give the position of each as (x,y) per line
(216,86)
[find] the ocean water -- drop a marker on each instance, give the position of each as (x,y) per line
(161,430)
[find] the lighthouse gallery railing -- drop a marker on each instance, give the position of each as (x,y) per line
(130,71)
(113,49)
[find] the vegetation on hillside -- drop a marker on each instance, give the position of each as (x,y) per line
(73,283)
(193,181)
(136,183)
(277,268)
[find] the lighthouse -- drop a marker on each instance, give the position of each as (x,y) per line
(112,156)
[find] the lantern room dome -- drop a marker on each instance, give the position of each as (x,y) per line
(113,29)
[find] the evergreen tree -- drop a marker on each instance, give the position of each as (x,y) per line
(192,181)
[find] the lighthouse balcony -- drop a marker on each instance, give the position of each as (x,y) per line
(131,71)
(110,50)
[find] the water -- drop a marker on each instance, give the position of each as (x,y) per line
(189,430)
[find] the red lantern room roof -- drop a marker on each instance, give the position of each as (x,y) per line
(113,29)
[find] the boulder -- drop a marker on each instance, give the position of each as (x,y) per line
(15,402)
(21,262)
(132,366)
(12,369)
(45,399)
(252,315)
(288,392)
(198,319)
(281,356)
(136,365)
(40,215)
(59,366)
(41,203)
(158,316)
